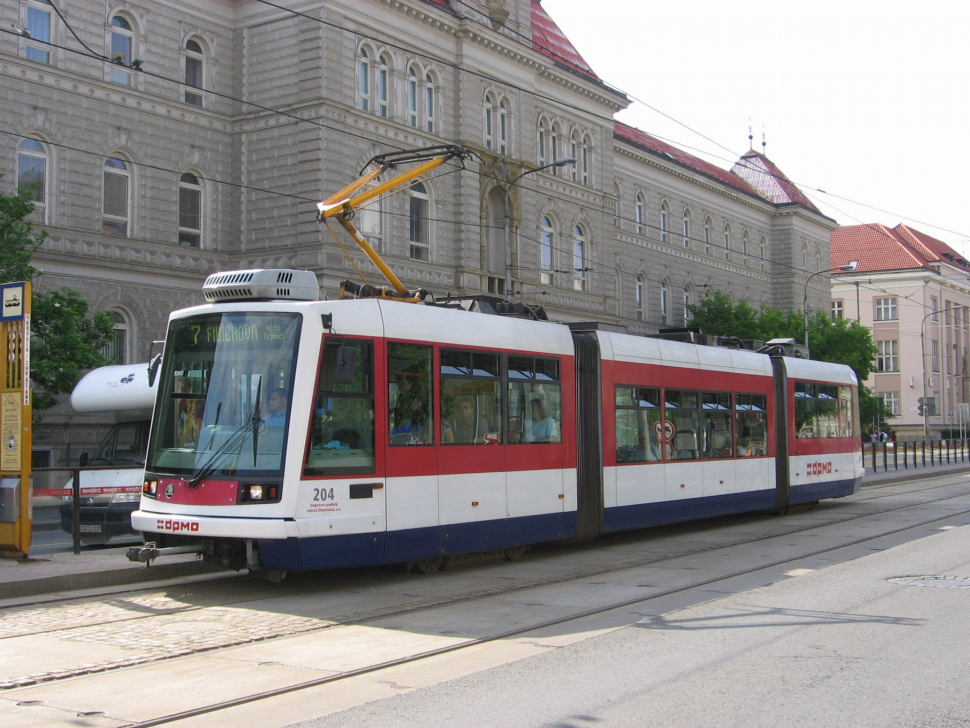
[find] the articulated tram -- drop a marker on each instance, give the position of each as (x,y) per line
(292,433)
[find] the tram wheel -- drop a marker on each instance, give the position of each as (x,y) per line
(514,553)
(429,566)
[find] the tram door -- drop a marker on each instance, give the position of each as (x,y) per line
(407,437)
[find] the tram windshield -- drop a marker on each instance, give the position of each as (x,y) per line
(225,395)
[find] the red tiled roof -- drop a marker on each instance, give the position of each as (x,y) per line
(771,183)
(549,40)
(652,144)
(879,248)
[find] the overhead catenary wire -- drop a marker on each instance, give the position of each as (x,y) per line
(342,130)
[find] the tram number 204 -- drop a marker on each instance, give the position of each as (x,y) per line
(321,495)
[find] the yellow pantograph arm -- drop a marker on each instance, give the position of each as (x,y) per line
(343,201)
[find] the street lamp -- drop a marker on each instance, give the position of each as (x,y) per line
(564,161)
(922,351)
(847,268)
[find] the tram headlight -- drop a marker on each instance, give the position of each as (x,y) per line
(150,487)
(255,492)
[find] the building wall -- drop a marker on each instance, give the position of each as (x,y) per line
(915,329)
(280,128)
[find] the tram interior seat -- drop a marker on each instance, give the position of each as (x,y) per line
(685,445)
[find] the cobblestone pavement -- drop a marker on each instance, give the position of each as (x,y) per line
(153,626)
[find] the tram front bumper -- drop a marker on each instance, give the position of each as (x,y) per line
(203,526)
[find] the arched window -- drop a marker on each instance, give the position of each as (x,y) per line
(194,60)
(686,229)
(575,145)
(664,302)
(640,297)
(412,97)
(580,254)
(116,350)
(419,227)
(490,123)
(543,142)
(363,80)
(547,236)
(763,252)
(727,242)
(555,138)
(370,221)
(688,300)
(818,259)
(190,211)
(664,220)
(744,247)
(503,127)
(708,226)
(638,207)
(38,25)
(429,103)
(584,161)
(117,196)
(122,41)
(32,173)
(805,257)
(383,86)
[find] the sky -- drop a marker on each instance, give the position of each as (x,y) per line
(866,101)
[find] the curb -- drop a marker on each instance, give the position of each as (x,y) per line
(891,476)
(100,579)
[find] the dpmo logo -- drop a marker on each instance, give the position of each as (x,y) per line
(819,468)
(173,526)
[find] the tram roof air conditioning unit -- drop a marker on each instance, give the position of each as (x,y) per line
(266,284)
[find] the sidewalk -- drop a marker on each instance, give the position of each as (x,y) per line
(91,569)
(107,567)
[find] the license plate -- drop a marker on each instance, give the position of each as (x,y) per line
(90,529)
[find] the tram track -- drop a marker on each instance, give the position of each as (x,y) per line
(539,625)
(465,596)
(356,618)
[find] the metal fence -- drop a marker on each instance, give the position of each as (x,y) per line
(885,456)
(75,490)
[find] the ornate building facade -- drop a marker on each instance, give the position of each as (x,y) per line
(167,141)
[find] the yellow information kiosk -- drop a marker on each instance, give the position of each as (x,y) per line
(15,422)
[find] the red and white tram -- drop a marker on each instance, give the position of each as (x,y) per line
(292,433)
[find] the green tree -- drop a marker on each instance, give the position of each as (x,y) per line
(840,341)
(65,340)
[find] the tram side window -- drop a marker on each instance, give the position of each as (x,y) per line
(751,422)
(827,410)
(471,397)
(409,393)
(342,426)
(639,425)
(680,409)
(846,418)
(805,423)
(718,425)
(535,400)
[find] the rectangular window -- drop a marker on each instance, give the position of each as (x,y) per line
(535,400)
(838,310)
(718,418)
(429,108)
(934,355)
(190,216)
(412,93)
(193,78)
(382,97)
(934,308)
(751,425)
(342,425)
(363,85)
(115,220)
(639,425)
(39,28)
(681,410)
(886,309)
(887,356)
(120,54)
(471,398)
(419,247)
(409,394)
(890,403)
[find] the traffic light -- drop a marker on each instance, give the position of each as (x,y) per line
(921,406)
